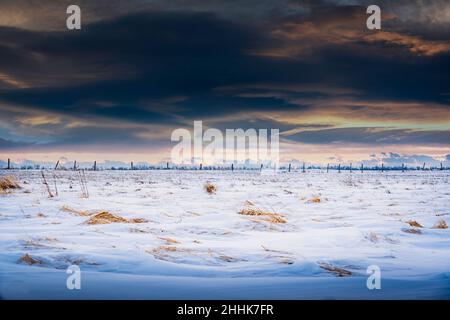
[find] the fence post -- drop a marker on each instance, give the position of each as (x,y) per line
(57,164)
(9,164)
(75,165)
(289,170)
(95,165)
(303,170)
(339,168)
(328,167)
(362,168)
(350,168)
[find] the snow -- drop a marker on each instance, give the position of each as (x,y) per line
(360,221)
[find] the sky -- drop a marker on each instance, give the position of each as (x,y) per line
(139,69)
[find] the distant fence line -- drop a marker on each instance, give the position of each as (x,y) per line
(200,167)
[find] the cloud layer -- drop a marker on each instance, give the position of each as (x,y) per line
(139,69)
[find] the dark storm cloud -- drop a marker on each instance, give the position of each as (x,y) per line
(373,136)
(169,54)
(166,67)
(11,144)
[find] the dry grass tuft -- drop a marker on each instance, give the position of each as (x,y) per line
(254,212)
(166,253)
(227,258)
(169,240)
(28,260)
(412,231)
(168,248)
(441,224)
(8,183)
(337,271)
(75,212)
(314,200)
(276,219)
(210,188)
(248,203)
(101,217)
(106,217)
(414,223)
(268,216)
(286,261)
(272,250)
(136,230)
(137,220)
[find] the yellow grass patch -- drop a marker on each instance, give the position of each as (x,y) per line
(314,200)
(106,217)
(414,223)
(137,220)
(210,188)
(340,272)
(169,240)
(75,212)
(8,183)
(441,224)
(267,216)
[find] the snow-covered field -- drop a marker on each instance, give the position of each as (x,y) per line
(188,244)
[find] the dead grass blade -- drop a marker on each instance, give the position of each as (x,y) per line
(50,194)
(26,258)
(210,188)
(414,223)
(165,252)
(8,183)
(227,258)
(441,224)
(75,212)
(266,216)
(106,217)
(314,200)
(169,240)
(340,272)
(412,231)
